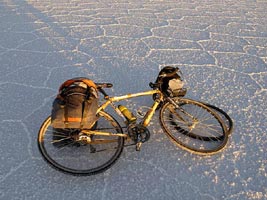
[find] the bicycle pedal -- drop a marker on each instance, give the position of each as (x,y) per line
(138,146)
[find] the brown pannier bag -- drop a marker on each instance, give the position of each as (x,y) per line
(75,105)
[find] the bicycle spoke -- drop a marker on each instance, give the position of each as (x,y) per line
(60,140)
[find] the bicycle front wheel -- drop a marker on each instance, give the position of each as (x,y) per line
(224,116)
(63,150)
(193,126)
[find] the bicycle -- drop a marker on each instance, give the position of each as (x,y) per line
(192,125)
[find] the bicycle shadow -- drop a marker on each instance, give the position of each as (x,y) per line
(50,49)
(39,50)
(81,44)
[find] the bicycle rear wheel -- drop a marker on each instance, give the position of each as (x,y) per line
(63,150)
(193,126)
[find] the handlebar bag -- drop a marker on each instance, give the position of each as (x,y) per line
(171,83)
(75,105)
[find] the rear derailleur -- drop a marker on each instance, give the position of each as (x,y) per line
(138,134)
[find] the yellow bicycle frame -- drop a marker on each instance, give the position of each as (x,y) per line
(111,100)
(149,114)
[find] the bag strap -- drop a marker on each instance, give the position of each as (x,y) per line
(67,83)
(84,111)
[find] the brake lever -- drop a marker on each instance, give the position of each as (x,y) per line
(104,93)
(154,85)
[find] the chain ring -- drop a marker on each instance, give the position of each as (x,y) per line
(138,133)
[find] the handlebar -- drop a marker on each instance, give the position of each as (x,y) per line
(104,85)
(161,76)
(169,74)
(100,87)
(154,85)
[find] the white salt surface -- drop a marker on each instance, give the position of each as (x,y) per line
(221,47)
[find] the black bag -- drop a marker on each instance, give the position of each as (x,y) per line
(75,105)
(170,81)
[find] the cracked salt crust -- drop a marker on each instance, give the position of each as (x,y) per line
(221,48)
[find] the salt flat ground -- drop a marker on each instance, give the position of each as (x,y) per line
(221,47)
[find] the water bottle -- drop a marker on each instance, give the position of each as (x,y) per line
(127,114)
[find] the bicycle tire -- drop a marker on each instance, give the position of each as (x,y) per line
(70,156)
(225,117)
(189,131)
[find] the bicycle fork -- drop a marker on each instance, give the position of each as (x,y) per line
(191,125)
